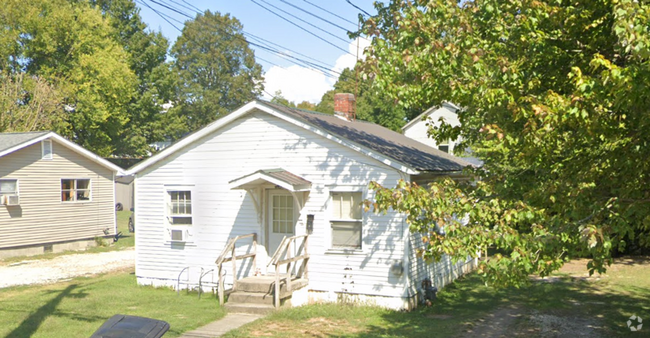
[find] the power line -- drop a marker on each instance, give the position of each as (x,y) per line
(314,15)
(302,28)
(160,15)
(325,10)
(309,23)
(322,69)
(357,7)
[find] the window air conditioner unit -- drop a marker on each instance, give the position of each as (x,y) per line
(177,236)
(11,200)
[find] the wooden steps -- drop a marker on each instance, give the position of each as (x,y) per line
(255,295)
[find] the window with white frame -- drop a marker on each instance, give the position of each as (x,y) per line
(346,220)
(46,149)
(8,187)
(179,207)
(75,190)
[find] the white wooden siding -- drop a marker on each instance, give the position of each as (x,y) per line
(41,217)
(261,141)
(418,130)
(439,273)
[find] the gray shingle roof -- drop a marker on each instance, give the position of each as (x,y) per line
(377,138)
(10,140)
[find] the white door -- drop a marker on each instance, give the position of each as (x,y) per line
(281,218)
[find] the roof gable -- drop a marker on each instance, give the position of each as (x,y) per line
(372,140)
(12,142)
(420,118)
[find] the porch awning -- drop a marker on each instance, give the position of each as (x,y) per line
(278,177)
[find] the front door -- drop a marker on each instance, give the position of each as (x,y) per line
(281,218)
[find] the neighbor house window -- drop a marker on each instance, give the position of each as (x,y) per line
(346,220)
(46,149)
(75,190)
(444,147)
(179,207)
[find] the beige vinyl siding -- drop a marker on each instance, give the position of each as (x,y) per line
(41,217)
(261,141)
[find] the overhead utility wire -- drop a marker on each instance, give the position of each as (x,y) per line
(197,9)
(182,5)
(160,15)
(309,23)
(357,7)
(302,28)
(324,70)
(270,49)
(325,10)
(314,15)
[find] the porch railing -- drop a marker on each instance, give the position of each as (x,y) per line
(225,257)
(283,255)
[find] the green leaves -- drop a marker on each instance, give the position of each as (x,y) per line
(554,99)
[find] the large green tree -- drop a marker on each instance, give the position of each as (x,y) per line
(149,121)
(217,69)
(555,101)
(71,47)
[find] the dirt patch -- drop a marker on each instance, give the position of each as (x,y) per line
(550,325)
(499,323)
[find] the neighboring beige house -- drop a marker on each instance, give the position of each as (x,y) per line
(54,195)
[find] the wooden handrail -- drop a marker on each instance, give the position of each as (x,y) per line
(230,247)
(283,250)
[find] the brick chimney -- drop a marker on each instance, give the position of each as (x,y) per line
(345,106)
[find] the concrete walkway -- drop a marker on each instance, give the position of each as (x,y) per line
(219,327)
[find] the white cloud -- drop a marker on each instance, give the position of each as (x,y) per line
(299,83)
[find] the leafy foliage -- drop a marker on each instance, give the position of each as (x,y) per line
(554,97)
(217,69)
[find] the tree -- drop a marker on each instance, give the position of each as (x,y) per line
(157,86)
(372,106)
(70,46)
(279,99)
(554,97)
(218,72)
(28,104)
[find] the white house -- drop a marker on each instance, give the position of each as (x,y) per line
(417,129)
(276,171)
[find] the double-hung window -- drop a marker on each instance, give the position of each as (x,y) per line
(9,192)
(346,220)
(75,190)
(179,207)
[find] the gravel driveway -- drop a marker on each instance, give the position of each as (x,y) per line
(65,267)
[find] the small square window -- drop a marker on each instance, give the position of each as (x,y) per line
(75,190)
(8,187)
(46,149)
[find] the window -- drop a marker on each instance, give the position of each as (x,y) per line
(46,149)
(8,187)
(444,147)
(282,217)
(75,190)
(346,220)
(179,207)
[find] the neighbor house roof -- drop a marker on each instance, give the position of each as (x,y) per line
(387,146)
(12,142)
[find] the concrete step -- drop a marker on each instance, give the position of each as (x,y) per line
(266,284)
(240,297)
(257,309)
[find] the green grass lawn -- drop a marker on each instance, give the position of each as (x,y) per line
(608,301)
(78,307)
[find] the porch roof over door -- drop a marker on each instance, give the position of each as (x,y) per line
(277,177)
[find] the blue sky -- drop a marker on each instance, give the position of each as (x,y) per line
(298,82)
